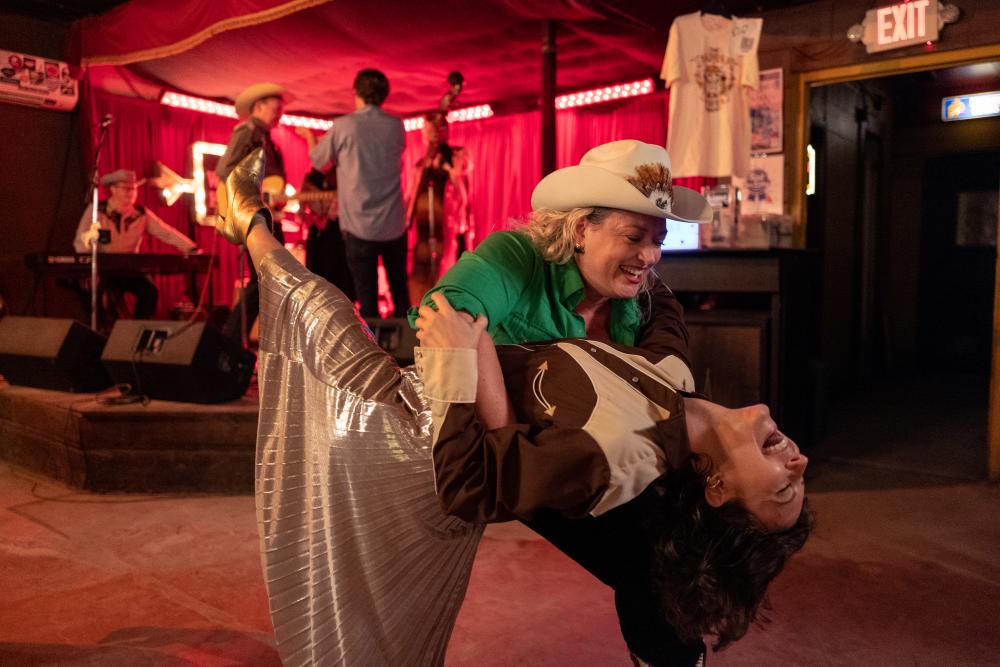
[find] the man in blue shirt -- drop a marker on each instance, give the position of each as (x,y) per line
(367,148)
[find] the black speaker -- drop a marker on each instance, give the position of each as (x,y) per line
(177,361)
(51,353)
(395,336)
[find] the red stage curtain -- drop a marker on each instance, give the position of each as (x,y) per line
(146,131)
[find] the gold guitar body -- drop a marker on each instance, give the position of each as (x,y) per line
(273,195)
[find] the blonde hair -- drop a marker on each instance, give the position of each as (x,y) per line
(553,232)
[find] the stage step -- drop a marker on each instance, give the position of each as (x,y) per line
(162,447)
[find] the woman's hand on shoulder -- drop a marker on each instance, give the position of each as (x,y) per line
(446,327)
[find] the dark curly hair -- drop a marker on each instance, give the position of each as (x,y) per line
(710,567)
(372,86)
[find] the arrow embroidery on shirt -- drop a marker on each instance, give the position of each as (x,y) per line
(536,388)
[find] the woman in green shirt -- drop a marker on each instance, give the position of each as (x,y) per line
(578,267)
(590,247)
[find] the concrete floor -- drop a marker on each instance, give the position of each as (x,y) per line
(903,570)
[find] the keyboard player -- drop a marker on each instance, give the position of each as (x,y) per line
(128,223)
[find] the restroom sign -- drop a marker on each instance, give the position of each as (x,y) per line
(901,24)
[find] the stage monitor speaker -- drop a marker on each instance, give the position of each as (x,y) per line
(190,362)
(395,336)
(51,353)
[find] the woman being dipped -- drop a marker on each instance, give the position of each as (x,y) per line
(361,564)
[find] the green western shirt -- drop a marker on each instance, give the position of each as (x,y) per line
(525,298)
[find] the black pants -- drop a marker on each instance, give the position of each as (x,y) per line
(326,256)
(362,258)
(138,285)
(249,295)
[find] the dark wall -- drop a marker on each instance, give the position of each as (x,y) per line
(915,146)
(847,233)
(42,173)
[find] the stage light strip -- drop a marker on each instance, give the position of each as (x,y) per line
(457,116)
(179,101)
(307,121)
(605,94)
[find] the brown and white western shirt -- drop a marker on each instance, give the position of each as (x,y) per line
(596,424)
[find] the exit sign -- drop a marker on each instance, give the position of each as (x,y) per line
(901,24)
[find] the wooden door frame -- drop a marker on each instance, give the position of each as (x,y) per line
(795,174)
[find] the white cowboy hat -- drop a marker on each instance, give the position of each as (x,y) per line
(628,175)
(244,101)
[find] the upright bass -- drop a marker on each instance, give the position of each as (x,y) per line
(426,206)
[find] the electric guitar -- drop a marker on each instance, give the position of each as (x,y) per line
(273,195)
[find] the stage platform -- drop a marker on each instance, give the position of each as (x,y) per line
(160,447)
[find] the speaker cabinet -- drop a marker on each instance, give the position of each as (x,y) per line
(51,353)
(395,336)
(177,361)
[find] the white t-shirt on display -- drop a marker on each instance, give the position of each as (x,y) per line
(709,64)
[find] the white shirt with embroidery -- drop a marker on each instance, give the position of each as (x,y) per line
(710,63)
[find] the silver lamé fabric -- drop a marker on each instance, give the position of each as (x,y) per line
(362,566)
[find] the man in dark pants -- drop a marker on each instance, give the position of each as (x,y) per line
(367,148)
(259,107)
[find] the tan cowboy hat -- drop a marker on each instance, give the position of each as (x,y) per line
(628,175)
(126,176)
(244,101)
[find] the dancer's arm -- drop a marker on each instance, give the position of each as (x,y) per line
(459,330)
(486,474)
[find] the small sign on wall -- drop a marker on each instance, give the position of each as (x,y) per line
(765,113)
(36,82)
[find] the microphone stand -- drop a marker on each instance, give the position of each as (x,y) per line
(95,226)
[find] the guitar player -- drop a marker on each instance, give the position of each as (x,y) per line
(259,108)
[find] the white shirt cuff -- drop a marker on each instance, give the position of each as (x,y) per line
(450,374)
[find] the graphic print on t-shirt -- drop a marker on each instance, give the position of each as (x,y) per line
(715,75)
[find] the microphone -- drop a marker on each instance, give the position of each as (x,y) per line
(107,120)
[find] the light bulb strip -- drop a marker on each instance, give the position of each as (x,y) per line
(605,94)
(180,101)
(456,116)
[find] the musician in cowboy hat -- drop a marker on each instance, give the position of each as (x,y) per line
(259,108)
(126,223)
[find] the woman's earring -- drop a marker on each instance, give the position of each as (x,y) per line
(578,248)
(713,481)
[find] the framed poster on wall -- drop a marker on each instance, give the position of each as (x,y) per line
(766,119)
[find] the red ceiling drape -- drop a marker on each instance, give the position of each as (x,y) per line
(147,29)
(504,149)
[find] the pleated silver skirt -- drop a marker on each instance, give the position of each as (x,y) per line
(362,566)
